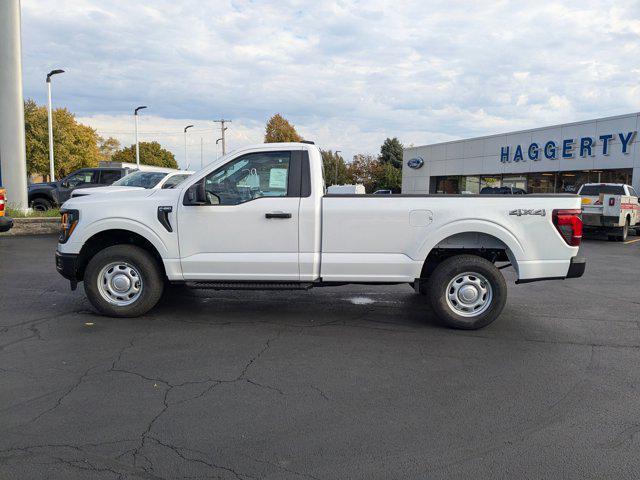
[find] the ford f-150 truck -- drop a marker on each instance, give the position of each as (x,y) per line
(259,218)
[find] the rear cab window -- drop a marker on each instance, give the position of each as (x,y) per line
(596,190)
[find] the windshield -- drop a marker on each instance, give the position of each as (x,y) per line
(141,179)
(595,190)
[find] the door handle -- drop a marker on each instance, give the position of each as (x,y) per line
(277,215)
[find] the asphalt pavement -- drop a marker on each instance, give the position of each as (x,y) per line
(353,382)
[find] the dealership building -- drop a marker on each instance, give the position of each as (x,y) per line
(542,160)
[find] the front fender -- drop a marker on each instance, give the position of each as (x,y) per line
(74,245)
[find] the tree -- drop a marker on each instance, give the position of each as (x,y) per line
(107,147)
(151,153)
(364,169)
(388,177)
(329,161)
(391,152)
(74,145)
(279,130)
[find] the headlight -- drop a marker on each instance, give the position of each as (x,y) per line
(68,224)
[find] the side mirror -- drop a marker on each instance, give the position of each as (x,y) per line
(196,194)
(64,184)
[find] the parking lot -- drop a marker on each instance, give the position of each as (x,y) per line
(350,382)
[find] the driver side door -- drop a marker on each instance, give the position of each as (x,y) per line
(79,179)
(248,227)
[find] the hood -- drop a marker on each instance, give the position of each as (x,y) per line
(110,199)
(43,184)
(108,189)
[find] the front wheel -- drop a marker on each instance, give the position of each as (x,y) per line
(467,292)
(123,281)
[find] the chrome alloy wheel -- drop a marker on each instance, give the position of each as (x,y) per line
(120,283)
(469,294)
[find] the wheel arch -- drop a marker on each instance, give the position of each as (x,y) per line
(484,239)
(114,236)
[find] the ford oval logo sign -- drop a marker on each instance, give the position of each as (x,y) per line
(415,162)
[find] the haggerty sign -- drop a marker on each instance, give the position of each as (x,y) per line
(584,146)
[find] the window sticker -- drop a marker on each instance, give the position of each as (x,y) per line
(278,178)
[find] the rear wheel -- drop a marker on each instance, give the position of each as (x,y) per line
(123,281)
(623,232)
(467,292)
(41,205)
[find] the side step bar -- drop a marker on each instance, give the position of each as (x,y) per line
(213,285)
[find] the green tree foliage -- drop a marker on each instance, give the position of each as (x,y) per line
(391,152)
(388,177)
(279,130)
(364,169)
(329,162)
(74,145)
(151,153)
(107,147)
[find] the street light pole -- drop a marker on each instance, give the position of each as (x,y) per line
(336,154)
(185,145)
(50,122)
(135,116)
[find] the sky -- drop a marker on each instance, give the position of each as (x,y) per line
(347,74)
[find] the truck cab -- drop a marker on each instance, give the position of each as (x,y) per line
(259,218)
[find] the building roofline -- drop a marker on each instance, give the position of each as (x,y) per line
(516,132)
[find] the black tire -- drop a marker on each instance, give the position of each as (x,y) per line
(41,204)
(150,275)
(624,232)
(479,269)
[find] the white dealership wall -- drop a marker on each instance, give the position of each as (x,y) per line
(482,155)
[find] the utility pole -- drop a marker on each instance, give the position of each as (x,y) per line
(336,154)
(135,115)
(50,123)
(223,128)
(12,143)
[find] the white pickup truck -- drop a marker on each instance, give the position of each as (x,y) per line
(259,218)
(610,207)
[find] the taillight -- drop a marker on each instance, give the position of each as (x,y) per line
(2,201)
(569,225)
(612,201)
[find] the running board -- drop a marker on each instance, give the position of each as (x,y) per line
(249,285)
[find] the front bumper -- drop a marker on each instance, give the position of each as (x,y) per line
(577,266)
(67,265)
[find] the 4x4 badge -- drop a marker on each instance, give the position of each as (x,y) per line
(529,211)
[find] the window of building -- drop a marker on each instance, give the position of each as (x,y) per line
(470,184)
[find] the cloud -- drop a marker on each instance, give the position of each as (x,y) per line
(346,73)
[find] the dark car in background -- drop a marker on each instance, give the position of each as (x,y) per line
(502,191)
(43,196)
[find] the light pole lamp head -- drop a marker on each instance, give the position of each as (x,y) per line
(52,73)
(141,107)
(187,128)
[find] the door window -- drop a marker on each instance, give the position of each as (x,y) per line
(80,178)
(107,177)
(256,175)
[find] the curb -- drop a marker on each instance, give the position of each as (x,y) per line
(33,226)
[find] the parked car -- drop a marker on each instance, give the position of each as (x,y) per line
(44,196)
(139,180)
(610,207)
(382,192)
(502,191)
(6,223)
(259,219)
